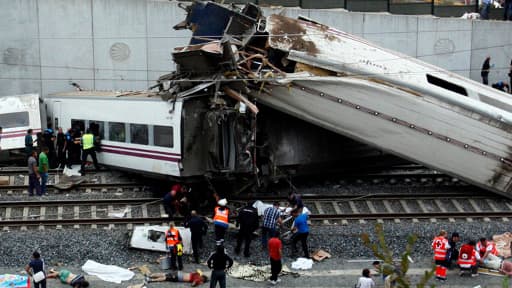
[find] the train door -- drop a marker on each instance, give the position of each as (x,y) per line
(55,117)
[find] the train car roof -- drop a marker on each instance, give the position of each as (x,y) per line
(107,94)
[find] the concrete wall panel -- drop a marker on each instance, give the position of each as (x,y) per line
(60,85)
(445,43)
(18,19)
(65,19)
(19,59)
(66,59)
(19,86)
(119,18)
(162,16)
(391,31)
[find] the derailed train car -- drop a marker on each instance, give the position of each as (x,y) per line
(350,86)
(18,113)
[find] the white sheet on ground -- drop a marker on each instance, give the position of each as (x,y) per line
(109,273)
(71,172)
(302,264)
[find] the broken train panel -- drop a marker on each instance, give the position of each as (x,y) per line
(352,87)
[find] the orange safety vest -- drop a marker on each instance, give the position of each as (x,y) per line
(221,217)
(481,249)
(440,247)
(172,237)
(467,255)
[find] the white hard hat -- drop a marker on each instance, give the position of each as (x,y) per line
(223,202)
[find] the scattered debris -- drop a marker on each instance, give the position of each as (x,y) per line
(4,180)
(256,273)
(153,238)
(320,255)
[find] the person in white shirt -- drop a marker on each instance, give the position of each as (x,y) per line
(366,280)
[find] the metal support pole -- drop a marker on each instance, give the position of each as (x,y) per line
(432,7)
(389,6)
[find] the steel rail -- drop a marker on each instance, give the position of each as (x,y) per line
(52,203)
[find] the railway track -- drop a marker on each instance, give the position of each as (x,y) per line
(325,210)
(77,213)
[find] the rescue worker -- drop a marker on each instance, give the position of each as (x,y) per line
(197,228)
(440,246)
(468,258)
(171,200)
(174,246)
(488,252)
(88,149)
(249,221)
(49,140)
(221,220)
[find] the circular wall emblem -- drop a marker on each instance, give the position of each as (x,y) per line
(119,51)
(13,56)
(444,46)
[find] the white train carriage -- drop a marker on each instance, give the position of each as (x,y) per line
(138,131)
(18,113)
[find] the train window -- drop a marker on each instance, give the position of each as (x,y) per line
(78,125)
(139,134)
(163,136)
(446,85)
(97,128)
(116,132)
(12,120)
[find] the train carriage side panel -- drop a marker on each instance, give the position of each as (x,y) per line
(137,133)
(18,113)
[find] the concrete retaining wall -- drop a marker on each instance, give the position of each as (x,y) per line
(127,44)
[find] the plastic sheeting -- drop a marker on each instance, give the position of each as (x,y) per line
(109,273)
(302,264)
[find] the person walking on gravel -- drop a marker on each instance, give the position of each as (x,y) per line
(275,251)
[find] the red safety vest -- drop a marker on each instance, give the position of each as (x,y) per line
(481,249)
(467,255)
(172,237)
(221,216)
(440,247)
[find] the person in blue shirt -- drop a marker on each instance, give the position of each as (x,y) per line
(301,230)
(36,265)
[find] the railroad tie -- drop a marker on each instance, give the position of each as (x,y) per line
(110,212)
(144,208)
(25,181)
(460,209)
(478,209)
(60,210)
(354,209)
(129,226)
(25,218)
(320,210)
(407,210)
(42,216)
(389,209)
(339,212)
(443,209)
(424,209)
(93,216)
(373,210)
(76,215)
(7,217)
